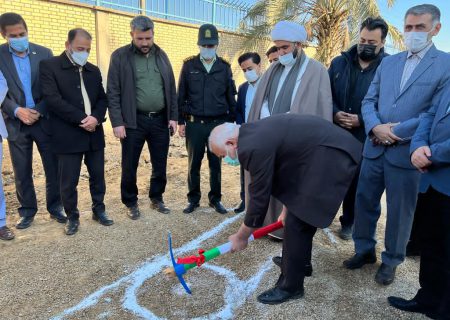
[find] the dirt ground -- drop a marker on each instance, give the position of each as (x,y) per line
(116,272)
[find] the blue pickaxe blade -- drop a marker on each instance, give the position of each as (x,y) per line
(179,268)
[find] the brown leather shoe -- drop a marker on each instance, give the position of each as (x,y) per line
(6,233)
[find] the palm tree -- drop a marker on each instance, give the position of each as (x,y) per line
(332,25)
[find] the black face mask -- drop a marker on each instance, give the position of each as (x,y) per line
(366,52)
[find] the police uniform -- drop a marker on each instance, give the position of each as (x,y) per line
(206,98)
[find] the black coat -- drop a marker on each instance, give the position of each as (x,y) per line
(121,86)
(240,106)
(61,88)
(340,71)
(304,161)
(206,94)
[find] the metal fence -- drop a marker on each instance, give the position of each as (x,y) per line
(226,14)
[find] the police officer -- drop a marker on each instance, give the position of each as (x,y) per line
(206,98)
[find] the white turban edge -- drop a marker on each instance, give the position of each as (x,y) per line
(288,31)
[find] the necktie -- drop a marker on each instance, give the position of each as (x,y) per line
(87,103)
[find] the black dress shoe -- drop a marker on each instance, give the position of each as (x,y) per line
(133,212)
(191,207)
(385,274)
(72,227)
(308,267)
(277,296)
(59,217)
(102,218)
(160,207)
(411,306)
(240,208)
(24,222)
(218,206)
(360,259)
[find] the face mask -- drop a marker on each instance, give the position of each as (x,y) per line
(287,59)
(208,53)
(251,76)
(416,41)
(367,52)
(19,44)
(231,161)
(80,58)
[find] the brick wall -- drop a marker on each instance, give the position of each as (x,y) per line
(49,21)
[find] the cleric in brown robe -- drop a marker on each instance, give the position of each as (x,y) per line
(294,84)
(288,158)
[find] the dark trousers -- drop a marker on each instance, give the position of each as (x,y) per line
(242,184)
(69,175)
(348,205)
(154,131)
(21,151)
(434,275)
(196,142)
(414,238)
(297,249)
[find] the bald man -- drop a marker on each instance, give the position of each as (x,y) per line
(306,182)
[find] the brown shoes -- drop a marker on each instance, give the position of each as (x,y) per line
(6,233)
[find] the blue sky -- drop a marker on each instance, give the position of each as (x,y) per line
(395,16)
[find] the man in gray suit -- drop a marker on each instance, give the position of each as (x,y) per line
(26,118)
(404,87)
(430,154)
(5,232)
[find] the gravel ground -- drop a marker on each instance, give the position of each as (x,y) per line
(116,272)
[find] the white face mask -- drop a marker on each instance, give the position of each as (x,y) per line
(416,41)
(208,53)
(287,59)
(80,58)
(251,75)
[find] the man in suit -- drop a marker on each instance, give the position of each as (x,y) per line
(250,64)
(142,108)
(404,87)
(350,76)
(77,102)
(430,154)
(287,157)
(26,118)
(5,232)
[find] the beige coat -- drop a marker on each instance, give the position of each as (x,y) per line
(313,97)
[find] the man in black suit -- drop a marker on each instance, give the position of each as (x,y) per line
(26,118)
(250,63)
(288,157)
(77,102)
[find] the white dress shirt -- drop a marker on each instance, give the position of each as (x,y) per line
(249,97)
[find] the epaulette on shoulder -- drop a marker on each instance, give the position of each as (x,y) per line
(190,58)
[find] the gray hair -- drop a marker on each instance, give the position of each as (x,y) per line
(424,9)
(141,23)
(220,134)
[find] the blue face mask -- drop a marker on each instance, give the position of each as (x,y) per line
(207,53)
(231,161)
(19,44)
